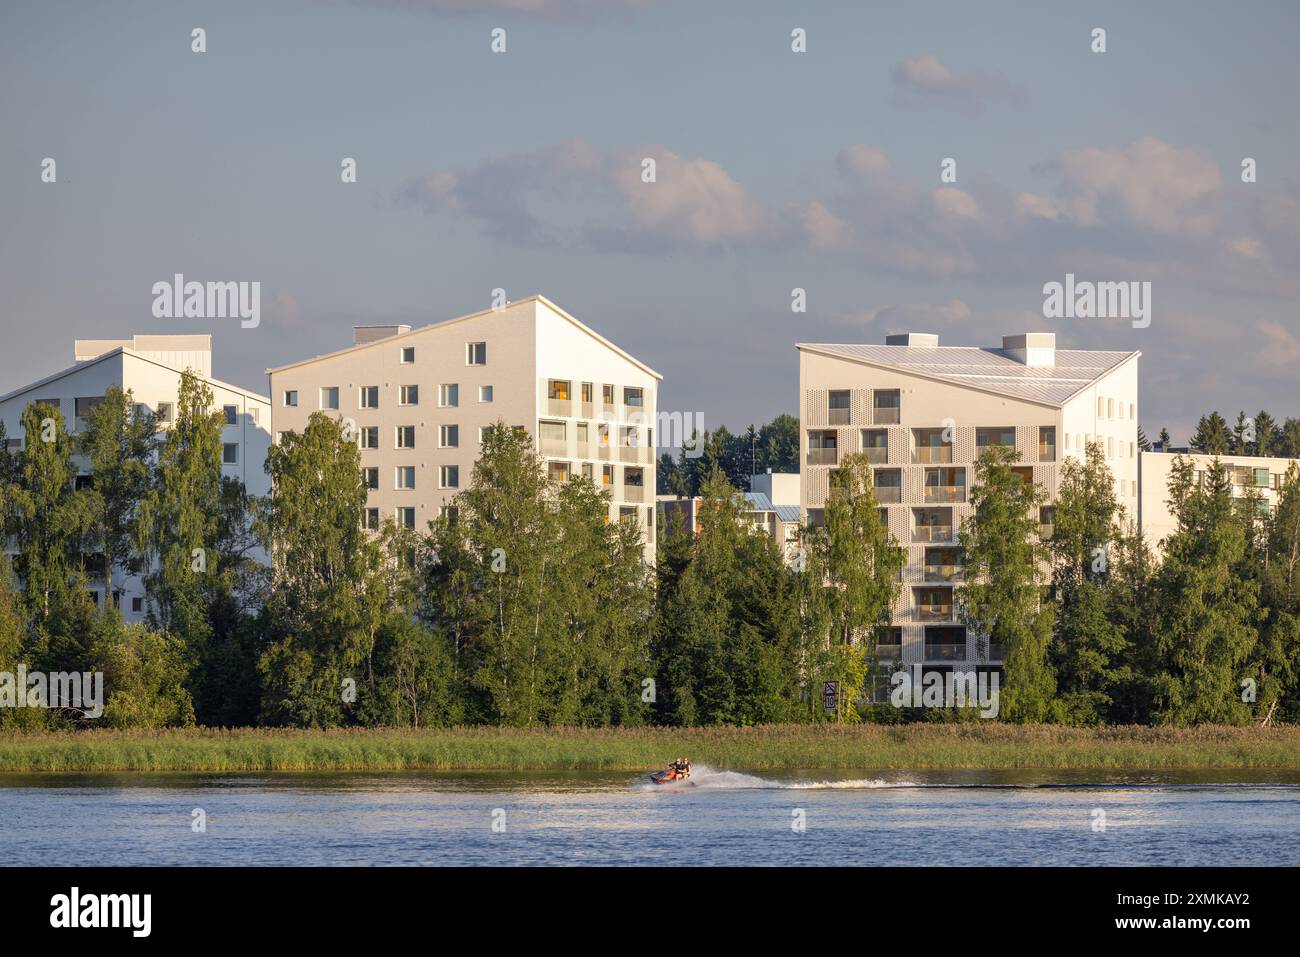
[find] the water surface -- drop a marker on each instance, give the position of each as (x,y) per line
(719,817)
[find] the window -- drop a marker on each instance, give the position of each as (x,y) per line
(650,517)
(1101,407)
(370,397)
(409,395)
(628,436)
(408,355)
(279,437)
(838,406)
(449,476)
(633,396)
(329,397)
(291,397)
(485,393)
(607,395)
(405,437)
(589,471)
(370,477)
(551,431)
(607,475)
(582,433)
(252,413)
(448,436)
(476,353)
(1110,447)
(450,513)
(406,517)
(232,413)
(137,603)
(633,478)
(370,437)
(558,389)
(372,519)
(406,477)
(483,431)
(230,453)
(557,471)
(449,395)
(1046,443)
(886,406)
(1110,408)
(164,411)
(586,392)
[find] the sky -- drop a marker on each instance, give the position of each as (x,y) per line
(775,170)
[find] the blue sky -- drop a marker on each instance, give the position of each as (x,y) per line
(776,170)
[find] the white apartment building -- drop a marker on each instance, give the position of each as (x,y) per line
(922,413)
(150,367)
(420,400)
(1250,475)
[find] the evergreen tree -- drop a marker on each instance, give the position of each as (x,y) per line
(1276,662)
(1002,599)
(1267,435)
(1208,603)
(1288,443)
(1165,440)
(1143,442)
(1211,436)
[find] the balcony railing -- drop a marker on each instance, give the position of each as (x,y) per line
(1045,531)
(555,446)
(559,407)
(932,533)
(1046,453)
(945,493)
(933,454)
(934,612)
(629,453)
(838,416)
(888,651)
(634,493)
(884,416)
(942,573)
(823,456)
(945,652)
(876,455)
(888,494)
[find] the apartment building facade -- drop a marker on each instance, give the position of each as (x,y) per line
(923,413)
(150,367)
(419,401)
(1252,476)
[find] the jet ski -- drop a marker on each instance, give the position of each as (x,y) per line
(677,771)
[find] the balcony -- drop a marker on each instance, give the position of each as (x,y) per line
(629,453)
(633,493)
(932,455)
(823,456)
(931,612)
(876,455)
(889,651)
(943,572)
(888,494)
(884,416)
(945,493)
(554,446)
(1047,453)
(838,416)
(932,533)
(945,652)
(559,407)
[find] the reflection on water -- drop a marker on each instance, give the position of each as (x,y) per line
(719,817)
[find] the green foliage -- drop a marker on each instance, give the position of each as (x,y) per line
(145,675)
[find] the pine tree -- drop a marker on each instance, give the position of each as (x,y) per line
(1276,661)
(1211,436)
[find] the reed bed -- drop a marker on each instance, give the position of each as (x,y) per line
(774,747)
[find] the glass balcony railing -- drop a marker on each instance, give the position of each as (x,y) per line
(884,416)
(945,652)
(945,493)
(934,612)
(889,651)
(932,454)
(876,455)
(932,533)
(942,573)
(823,456)
(838,417)
(888,494)
(1047,453)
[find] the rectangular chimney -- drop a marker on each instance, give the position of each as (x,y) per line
(927,340)
(1031,348)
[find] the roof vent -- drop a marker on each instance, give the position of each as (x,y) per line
(1031,348)
(927,340)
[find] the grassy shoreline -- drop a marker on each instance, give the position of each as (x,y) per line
(776,747)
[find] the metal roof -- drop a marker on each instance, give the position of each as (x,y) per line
(761,503)
(992,370)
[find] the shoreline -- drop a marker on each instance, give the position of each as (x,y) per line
(935,747)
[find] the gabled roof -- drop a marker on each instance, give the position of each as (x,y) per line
(986,369)
(123,351)
(473,315)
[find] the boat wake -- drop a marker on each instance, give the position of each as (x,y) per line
(706,778)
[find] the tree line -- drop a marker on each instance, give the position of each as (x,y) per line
(774,446)
(525,604)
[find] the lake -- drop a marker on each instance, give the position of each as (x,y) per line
(719,818)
